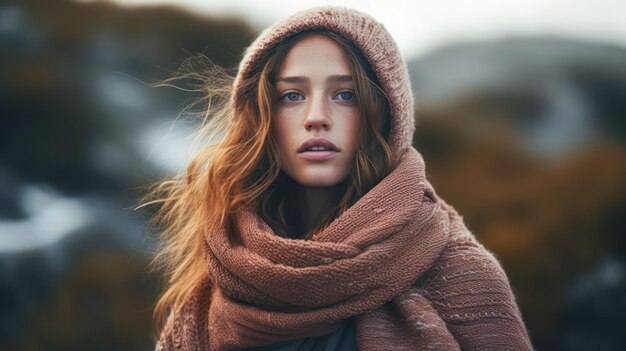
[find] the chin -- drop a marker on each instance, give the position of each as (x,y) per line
(318,179)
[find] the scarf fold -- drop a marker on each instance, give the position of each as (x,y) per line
(272,288)
(371,262)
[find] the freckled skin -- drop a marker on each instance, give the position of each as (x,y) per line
(316,107)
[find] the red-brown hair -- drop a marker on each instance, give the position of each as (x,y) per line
(239,167)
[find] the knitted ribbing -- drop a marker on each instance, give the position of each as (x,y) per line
(400,260)
(370,37)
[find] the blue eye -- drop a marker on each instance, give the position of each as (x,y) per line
(292,96)
(346,95)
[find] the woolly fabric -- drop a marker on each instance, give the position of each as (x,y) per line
(370,37)
(400,260)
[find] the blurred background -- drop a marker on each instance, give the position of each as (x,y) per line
(521,113)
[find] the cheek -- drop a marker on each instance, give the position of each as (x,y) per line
(282,131)
(353,127)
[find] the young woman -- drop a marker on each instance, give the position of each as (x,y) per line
(309,224)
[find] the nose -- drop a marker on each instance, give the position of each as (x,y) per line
(318,115)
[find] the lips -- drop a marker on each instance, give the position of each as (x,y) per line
(318,149)
(318,144)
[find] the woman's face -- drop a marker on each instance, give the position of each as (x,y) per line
(316,120)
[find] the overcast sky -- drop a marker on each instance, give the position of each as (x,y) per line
(419,26)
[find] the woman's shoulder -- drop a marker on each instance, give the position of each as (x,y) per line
(186,329)
(470,291)
(463,255)
(465,266)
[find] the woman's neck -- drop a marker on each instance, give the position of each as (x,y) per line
(309,203)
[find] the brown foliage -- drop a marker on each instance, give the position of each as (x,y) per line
(541,217)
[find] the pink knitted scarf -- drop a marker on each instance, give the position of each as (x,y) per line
(400,260)
(372,262)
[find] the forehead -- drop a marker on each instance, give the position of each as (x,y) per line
(315,54)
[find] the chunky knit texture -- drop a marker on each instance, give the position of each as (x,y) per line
(400,260)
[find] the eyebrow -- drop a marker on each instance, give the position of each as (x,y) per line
(337,78)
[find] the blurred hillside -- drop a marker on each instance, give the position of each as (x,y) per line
(525,136)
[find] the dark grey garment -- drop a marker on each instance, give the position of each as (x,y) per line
(343,339)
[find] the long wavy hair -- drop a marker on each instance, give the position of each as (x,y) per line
(238,166)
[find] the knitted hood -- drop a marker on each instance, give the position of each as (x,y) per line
(370,37)
(400,260)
